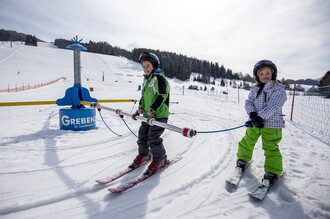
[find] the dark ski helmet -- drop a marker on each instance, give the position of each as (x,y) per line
(150,57)
(263,63)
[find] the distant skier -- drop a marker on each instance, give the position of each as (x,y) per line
(264,107)
(154,103)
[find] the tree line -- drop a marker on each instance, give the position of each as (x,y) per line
(178,65)
(10,35)
(173,64)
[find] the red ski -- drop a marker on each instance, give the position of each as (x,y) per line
(112,178)
(139,179)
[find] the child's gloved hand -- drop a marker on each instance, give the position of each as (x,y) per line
(253,114)
(257,122)
(137,113)
(151,115)
(248,124)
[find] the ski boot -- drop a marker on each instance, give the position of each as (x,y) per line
(140,159)
(240,166)
(269,180)
(155,165)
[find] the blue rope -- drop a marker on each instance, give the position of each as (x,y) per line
(224,130)
(133,106)
(47,108)
(108,126)
(129,127)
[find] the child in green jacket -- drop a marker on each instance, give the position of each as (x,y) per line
(154,103)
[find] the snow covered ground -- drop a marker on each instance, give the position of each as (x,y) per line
(50,173)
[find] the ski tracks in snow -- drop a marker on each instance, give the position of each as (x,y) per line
(209,155)
(298,167)
(207,159)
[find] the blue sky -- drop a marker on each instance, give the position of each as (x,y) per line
(294,34)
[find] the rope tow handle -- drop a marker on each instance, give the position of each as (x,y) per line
(187,132)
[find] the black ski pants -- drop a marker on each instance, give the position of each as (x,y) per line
(149,139)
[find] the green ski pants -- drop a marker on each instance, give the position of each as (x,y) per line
(270,139)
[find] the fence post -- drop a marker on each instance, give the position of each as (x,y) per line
(238,94)
(294,93)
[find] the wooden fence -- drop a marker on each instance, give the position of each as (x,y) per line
(29,87)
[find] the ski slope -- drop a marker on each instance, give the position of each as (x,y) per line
(50,173)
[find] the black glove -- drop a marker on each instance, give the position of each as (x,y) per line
(257,122)
(253,114)
(249,124)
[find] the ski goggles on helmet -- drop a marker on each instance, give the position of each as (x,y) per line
(144,55)
(149,56)
(263,62)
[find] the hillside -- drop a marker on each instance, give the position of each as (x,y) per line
(50,173)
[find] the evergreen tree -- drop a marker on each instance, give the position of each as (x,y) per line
(31,40)
(325,81)
(222,72)
(234,84)
(324,86)
(285,83)
(222,83)
(229,73)
(246,86)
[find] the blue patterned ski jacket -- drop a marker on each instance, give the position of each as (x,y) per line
(268,104)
